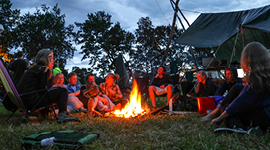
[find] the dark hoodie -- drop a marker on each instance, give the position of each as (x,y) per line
(226,85)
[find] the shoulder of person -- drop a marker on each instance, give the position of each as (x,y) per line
(64,86)
(115,85)
(41,67)
(167,75)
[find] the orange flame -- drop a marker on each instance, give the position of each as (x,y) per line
(133,107)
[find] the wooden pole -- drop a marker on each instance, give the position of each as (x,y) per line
(171,35)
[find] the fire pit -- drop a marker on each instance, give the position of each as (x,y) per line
(134,107)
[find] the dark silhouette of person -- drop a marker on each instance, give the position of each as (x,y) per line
(18,66)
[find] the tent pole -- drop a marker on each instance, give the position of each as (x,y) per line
(193,56)
(243,37)
(171,34)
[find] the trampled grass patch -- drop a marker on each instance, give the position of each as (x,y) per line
(147,132)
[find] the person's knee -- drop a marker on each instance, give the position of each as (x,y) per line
(152,88)
(169,88)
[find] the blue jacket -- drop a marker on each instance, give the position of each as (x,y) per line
(71,90)
(249,99)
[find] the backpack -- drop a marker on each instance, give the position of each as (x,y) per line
(64,139)
(184,103)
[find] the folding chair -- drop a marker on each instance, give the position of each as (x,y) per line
(175,79)
(15,97)
(143,84)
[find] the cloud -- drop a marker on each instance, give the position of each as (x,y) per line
(128,12)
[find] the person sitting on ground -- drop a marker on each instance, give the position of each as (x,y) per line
(231,77)
(58,80)
(206,86)
(232,94)
(252,106)
(36,78)
(98,101)
(112,90)
(161,84)
(74,104)
(92,93)
(89,80)
(18,66)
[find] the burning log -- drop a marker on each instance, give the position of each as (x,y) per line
(133,107)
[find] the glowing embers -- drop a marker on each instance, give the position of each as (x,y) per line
(133,107)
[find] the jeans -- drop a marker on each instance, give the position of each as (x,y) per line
(74,104)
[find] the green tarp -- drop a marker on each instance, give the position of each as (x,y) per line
(220,31)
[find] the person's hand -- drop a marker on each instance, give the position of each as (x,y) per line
(216,121)
(162,86)
(188,95)
(157,76)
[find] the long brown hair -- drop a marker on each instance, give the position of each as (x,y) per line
(256,56)
(42,58)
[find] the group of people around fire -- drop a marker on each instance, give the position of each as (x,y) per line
(246,104)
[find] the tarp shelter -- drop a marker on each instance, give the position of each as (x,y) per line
(221,30)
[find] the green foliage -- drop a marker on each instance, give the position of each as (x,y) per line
(46,29)
(8,18)
(151,45)
(102,41)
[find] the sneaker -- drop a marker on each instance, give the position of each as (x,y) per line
(255,131)
(63,117)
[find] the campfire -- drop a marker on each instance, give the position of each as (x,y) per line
(133,107)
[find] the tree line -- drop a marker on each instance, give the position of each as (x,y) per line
(99,39)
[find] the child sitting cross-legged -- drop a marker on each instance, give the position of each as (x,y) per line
(98,101)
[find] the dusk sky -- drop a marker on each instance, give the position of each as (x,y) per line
(128,12)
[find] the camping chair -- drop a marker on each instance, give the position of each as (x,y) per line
(143,84)
(177,85)
(15,97)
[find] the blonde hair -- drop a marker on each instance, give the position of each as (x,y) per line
(256,56)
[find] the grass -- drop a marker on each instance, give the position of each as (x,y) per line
(148,132)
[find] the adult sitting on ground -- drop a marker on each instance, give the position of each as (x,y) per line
(233,87)
(252,106)
(231,78)
(36,78)
(161,84)
(74,104)
(112,90)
